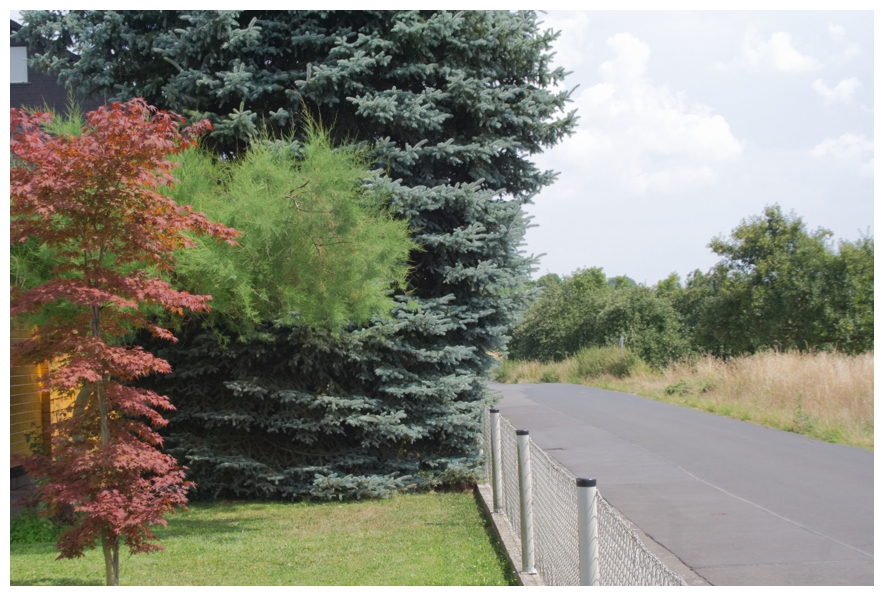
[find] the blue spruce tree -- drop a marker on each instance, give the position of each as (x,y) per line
(453,105)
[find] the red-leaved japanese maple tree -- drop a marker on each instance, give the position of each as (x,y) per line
(93,199)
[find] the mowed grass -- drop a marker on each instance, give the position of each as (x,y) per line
(826,396)
(422,539)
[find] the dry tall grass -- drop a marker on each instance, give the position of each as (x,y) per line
(828,396)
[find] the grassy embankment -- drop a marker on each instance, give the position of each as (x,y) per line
(826,396)
(424,539)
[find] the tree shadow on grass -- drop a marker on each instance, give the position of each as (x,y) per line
(187,528)
(208,519)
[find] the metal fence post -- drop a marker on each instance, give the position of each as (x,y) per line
(588,531)
(525,502)
(496,467)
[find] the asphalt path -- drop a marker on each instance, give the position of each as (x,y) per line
(738,503)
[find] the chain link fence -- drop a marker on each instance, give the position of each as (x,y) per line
(622,558)
(510,492)
(554,500)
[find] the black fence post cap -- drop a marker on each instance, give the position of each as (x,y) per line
(494,411)
(521,432)
(586,482)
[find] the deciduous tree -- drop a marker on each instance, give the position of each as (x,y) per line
(780,286)
(91,198)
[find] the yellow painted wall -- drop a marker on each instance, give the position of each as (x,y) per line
(31,408)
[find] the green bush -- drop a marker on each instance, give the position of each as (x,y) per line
(549,376)
(626,365)
(596,362)
(29,528)
(502,370)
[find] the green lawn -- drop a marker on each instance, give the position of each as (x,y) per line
(424,539)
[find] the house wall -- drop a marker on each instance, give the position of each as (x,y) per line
(31,408)
(42,89)
(26,406)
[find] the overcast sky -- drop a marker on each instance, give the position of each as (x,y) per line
(691,122)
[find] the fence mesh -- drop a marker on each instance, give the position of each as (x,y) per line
(623,559)
(509,455)
(554,502)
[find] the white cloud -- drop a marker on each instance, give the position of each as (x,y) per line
(571,47)
(630,62)
(848,149)
(842,92)
(777,54)
(638,137)
(836,32)
(852,51)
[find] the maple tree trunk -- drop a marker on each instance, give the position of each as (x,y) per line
(99,388)
(111,546)
(109,543)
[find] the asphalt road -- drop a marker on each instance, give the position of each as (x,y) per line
(738,503)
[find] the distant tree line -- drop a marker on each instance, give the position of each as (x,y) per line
(777,286)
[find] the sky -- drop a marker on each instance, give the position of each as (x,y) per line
(691,122)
